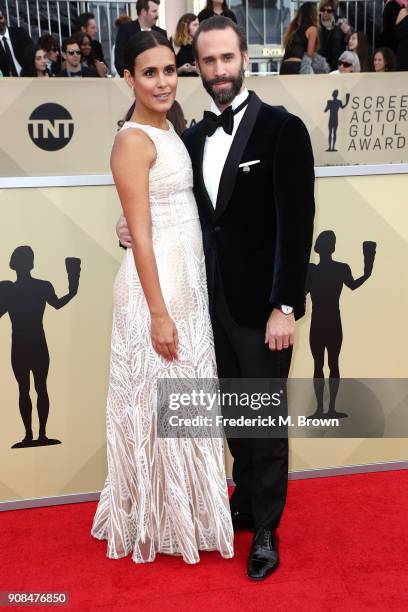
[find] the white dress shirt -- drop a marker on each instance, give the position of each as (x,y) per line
(6,35)
(217,147)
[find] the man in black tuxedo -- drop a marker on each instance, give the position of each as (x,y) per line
(147,16)
(13,43)
(254,186)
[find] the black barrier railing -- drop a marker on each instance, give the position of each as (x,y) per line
(265,21)
(59,18)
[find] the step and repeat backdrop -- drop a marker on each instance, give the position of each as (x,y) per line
(59,256)
(67,127)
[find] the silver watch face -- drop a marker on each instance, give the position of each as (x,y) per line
(286,309)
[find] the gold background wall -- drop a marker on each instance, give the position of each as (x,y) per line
(79,222)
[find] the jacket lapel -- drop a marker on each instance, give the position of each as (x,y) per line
(230,170)
(197,161)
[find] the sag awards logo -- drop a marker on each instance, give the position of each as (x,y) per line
(375,123)
(50,127)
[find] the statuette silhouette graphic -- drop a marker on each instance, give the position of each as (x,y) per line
(333,106)
(25,301)
(325,283)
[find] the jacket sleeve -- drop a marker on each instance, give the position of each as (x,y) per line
(24,41)
(295,206)
(121,39)
(97,47)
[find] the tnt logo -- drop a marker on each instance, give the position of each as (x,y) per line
(50,127)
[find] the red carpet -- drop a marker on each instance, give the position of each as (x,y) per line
(344,547)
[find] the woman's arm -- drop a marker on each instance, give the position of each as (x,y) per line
(312,38)
(133,154)
(403,13)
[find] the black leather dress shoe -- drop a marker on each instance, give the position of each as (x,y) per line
(242,521)
(263,558)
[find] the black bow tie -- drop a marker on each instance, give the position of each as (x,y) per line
(211,121)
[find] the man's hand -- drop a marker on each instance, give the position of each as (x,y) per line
(123,233)
(280,330)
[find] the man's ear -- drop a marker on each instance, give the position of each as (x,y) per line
(245,58)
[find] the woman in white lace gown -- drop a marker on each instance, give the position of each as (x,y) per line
(162,495)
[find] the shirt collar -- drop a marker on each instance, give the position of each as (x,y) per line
(235,103)
(6,34)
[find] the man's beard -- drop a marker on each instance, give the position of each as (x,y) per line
(225,96)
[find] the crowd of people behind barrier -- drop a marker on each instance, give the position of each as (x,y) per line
(316,41)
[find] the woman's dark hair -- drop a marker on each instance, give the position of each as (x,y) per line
(390,59)
(29,69)
(220,23)
(48,42)
(176,116)
(137,44)
(305,17)
(209,5)
(362,50)
(79,38)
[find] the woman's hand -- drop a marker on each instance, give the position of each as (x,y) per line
(101,69)
(187,69)
(345,27)
(164,336)
(123,233)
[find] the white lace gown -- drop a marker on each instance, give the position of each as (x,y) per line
(162,495)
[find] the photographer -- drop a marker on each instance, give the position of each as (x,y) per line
(333,35)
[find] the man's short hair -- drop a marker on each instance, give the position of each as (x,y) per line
(220,23)
(331,3)
(143,5)
(68,41)
(83,19)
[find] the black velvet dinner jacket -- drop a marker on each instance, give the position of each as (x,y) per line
(259,237)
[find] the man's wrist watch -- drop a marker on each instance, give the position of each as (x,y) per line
(287,310)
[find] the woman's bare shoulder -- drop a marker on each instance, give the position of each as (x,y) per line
(136,142)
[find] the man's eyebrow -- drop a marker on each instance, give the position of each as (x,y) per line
(222,55)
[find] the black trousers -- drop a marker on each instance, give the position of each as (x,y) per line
(260,469)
